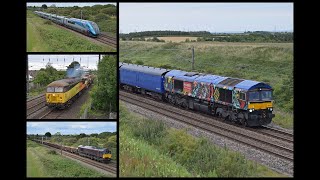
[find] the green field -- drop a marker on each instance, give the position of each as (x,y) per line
(149,148)
(267,62)
(43,162)
(45,36)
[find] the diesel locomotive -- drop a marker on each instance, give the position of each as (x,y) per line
(98,154)
(62,93)
(241,101)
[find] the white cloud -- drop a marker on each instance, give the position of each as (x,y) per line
(70,127)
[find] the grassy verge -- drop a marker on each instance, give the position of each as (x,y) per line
(36,92)
(42,162)
(144,141)
(44,35)
(84,106)
(283,119)
(138,159)
(267,62)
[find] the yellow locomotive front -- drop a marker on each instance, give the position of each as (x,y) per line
(107,155)
(55,95)
(61,93)
(260,106)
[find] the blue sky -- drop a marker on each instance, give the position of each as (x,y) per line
(70,127)
(68,4)
(213,17)
(36,62)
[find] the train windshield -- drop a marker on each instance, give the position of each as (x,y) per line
(264,95)
(58,89)
(50,89)
(95,26)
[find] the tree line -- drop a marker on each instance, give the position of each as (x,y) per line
(254,36)
(104,93)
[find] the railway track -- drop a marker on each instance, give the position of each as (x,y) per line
(277,133)
(35,104)
(106,39)
(103,37)
(102,166)
(52,114)
(264,142)
(35,98)
(106,167)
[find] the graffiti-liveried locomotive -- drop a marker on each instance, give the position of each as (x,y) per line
(243,101)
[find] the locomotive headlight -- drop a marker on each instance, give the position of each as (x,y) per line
(250,110)
(270,109)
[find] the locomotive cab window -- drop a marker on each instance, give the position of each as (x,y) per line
(243,96)
(254,96)
(50,89)
(266,95)
(58,89)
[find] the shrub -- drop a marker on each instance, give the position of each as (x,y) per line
(47,22)
(139,62)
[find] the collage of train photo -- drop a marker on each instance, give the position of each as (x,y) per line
(117,89)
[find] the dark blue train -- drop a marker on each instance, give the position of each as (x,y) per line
(242,101)
(88,28)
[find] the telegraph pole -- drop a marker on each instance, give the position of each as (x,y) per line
(60,144)
(192,57)
(27,76)
(110,111)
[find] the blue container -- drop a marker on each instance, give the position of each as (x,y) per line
(145,77)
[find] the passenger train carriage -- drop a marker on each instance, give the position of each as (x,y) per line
(86,27)
(243,101)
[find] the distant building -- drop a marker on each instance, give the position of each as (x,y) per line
(30,78)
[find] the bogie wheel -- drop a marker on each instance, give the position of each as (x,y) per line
(244,123)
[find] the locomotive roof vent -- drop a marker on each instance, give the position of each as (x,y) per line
(191,74)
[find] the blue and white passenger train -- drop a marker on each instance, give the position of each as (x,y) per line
(86,27)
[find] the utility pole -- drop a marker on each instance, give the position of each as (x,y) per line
(81,13)
(42,140)
(192,57)
(60,144)
(27,76)
(110,111)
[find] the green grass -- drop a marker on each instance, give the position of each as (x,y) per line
(41,162)
(84,106)
(109,26)
(45,36)
(267,62)
(283,119)
(145,144)
(138,159)
(36,92)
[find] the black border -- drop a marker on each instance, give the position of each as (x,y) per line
(16,54)
(25,53)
